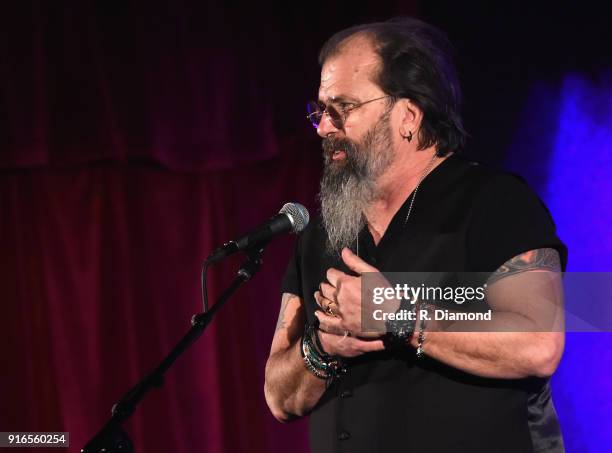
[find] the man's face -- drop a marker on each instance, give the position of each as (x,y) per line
(360,152)
(346,81)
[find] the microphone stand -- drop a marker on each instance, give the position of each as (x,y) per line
(112,438)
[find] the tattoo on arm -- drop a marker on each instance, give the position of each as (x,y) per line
(280,324)
(546,259)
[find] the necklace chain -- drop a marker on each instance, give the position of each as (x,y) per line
(414,194)
(416,189)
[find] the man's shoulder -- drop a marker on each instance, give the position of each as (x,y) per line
(493,182)
(507,217)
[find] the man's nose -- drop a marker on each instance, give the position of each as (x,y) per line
(326,126)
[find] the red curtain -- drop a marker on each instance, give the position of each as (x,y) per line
(114,80)
(134,138)
(100,276)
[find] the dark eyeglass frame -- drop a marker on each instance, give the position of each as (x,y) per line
(338,117)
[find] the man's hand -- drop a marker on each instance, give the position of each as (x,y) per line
(348,346)
(340,300)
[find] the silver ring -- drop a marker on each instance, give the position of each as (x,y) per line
(344,337)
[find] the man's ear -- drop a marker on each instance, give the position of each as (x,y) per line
(411,117)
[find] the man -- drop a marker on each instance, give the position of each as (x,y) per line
(395,197)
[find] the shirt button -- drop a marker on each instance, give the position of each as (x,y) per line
(344,435)
(346,393)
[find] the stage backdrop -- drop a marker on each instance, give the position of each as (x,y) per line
(134,138)
(137,136)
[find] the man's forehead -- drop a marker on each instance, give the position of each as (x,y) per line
(351,69)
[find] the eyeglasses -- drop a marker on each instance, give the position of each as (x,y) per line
(338,115)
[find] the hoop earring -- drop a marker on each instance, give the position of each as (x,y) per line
(407,137)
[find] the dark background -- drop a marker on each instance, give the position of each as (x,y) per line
(137,136)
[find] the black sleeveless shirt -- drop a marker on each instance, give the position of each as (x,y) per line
(465,218)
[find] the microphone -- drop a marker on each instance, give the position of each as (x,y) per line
(293,217)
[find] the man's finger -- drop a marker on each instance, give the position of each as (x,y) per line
(356,264)
(370,346)
(328,291)
(329,324)
(317,297)
(356,344)
(323,301)
(333,275)
(352,343)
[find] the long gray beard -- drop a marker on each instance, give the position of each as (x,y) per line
(348,187)
(343,200)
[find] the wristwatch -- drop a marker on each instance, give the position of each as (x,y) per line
(400,330)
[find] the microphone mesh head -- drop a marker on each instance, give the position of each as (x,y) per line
(298,215)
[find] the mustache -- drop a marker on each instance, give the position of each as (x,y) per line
(331,144)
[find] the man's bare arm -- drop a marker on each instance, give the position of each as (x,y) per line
(525,336)
(290,389)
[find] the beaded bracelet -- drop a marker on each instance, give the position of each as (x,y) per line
(317,361)
(421,338)
(311,353)
(312,360)
(309,364)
